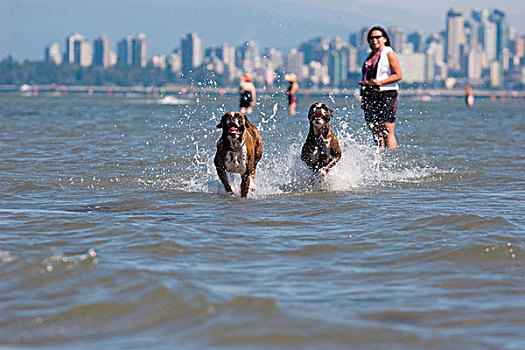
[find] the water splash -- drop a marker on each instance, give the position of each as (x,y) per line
(281,171)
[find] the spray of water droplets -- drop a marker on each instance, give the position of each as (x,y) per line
(189,166)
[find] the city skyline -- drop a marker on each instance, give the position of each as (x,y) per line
(284,29)
(480,47)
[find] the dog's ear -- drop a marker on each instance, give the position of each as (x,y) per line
(311,109)
(244,117)
(221,123)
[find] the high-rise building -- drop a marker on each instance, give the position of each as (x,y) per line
(249,50)
(519,47)
(488,39)
(474,64)
(397,38)
(502,30)
(472,31)
(354,65)
(478,18)
(480,15)
(337,44)
(192,52)
(211,53)
(73,41)
(125,52)
(455,38)
(496,74)
(417,40)
(358,39)
(52,54)
(295,62)
(140,51)
(102,52)
(413,67)
(315,50)
(112,58)
(505,59)
(175,62)
(435,64)
(274,58)
(83,53)
(227,54)
(159,61)
(337,67)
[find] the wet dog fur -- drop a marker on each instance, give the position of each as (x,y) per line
(321,149)
(238,150)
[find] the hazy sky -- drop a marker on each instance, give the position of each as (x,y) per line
(28,26)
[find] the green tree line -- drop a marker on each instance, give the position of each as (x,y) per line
(28,72)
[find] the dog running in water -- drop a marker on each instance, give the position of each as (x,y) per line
(238,150)
(321,149)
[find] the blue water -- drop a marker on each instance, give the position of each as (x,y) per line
(115,231)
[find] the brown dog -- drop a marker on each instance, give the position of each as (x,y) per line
(238,150)
(321,150)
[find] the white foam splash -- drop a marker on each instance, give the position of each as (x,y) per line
(281,171)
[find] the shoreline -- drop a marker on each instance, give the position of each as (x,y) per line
(191,91)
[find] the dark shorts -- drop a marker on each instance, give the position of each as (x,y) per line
(379,106)
(246,100)
(292,99)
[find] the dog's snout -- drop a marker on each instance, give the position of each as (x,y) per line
(320,111)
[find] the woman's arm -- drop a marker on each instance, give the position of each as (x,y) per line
(395,70)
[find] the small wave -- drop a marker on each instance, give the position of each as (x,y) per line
(484,253)
(24,187)
(113,206)
(459,222)
(30,270)
(6,257)
(494,256)
(61,262)
(315,250)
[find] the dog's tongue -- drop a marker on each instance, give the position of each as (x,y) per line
(233,130)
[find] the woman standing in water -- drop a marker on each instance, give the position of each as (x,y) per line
(292,92)
(381,72)
(247,94)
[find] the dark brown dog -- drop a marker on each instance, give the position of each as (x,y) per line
(238,150)
(321,150)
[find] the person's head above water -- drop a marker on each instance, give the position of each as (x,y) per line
(292,78)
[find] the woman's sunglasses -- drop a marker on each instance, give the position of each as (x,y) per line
(376,37)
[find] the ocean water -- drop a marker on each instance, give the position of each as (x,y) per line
(115,231)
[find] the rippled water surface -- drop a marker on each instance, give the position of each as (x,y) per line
(116,233)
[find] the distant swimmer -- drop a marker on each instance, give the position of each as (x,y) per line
(292,92)
(469,96)
(247,94)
